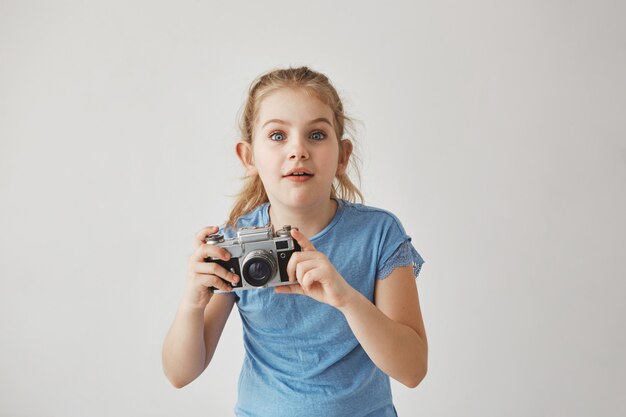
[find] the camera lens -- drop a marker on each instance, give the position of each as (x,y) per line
(258,268)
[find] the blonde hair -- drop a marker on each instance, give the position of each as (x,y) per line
(316,84)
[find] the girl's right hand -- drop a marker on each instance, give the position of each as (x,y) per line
(201,275)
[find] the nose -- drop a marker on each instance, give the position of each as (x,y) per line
(298,149)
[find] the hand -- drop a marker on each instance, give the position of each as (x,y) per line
(201,275)
(315,275)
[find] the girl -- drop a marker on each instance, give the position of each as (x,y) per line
(326,345)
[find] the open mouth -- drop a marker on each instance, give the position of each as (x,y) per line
(298,173)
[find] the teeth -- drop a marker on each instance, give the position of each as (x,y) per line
(299,174)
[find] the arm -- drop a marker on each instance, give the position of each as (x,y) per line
(191,341)
(392,331)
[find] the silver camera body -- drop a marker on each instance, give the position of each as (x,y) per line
(258,256)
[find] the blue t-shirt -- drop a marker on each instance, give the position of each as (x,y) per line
(301,357)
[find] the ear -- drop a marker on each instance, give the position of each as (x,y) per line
(345,150)
(244,153)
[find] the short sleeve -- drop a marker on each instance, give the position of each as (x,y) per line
(396,249)
(404,255)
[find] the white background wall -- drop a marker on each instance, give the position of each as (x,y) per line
(495,130)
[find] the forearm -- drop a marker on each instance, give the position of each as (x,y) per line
(184,352)
(395,348)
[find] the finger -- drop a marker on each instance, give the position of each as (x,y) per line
(304,267)
(289,289)
(215,269)
(295,259)
(306,273)
(211,281)
(310,277)
(202,234)
(304,243)
(299,257)
(210,251)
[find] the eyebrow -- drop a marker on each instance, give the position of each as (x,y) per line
(319,119)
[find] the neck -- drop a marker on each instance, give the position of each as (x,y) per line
(309,220)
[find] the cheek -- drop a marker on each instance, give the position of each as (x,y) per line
(335,156)
(263,160)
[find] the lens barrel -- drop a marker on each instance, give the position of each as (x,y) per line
(259,267)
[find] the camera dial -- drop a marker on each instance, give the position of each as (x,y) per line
(214,239)
(285,231)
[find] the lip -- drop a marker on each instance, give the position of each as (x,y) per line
(297,171)
(301,178)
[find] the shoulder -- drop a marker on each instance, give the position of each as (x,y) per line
(370,217)
(255,217)
(383,230)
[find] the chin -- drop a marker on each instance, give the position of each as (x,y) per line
(306,199)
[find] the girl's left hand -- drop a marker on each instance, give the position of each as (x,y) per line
(316,276)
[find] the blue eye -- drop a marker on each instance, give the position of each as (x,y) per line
(277,136)
(318,135)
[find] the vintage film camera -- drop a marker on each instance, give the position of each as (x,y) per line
(258,256)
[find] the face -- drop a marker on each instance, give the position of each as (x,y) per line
(295,149)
